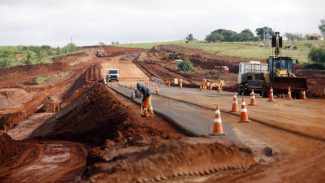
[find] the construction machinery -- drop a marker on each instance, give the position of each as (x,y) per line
(280,73)
(102,53)
(251,77)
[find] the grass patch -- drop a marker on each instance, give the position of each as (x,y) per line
(42,79)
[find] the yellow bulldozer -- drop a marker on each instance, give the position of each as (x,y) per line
(280,73)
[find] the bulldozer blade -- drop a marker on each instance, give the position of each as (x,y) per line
(295,83)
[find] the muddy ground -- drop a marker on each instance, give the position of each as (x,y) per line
(73,128)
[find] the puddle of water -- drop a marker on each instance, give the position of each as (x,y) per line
(57,158)
(49,161)
(41,167)
(55,145)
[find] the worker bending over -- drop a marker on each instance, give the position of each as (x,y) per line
(146,105)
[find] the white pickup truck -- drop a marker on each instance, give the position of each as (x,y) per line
(113,74)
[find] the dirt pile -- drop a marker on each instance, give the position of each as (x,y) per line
(172,160)
(86,79)
(99,116)
(316,81)
(74,58)
(10,117)
(13,97)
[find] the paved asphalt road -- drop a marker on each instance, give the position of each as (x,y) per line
(195,121)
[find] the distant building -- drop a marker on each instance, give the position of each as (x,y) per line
(313,36)
(178,61)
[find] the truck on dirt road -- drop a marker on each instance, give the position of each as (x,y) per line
(251,77)
(113,75)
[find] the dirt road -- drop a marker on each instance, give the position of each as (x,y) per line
(129,72)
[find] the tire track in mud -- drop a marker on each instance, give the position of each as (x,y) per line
(176,160)
(53,161)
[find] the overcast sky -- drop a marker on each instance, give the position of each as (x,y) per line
(54,22)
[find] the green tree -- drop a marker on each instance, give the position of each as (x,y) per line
(321,27)
(317,55)
(189,38)
(214,37)
(229,35)
(247,35)
(267,31)
(185,66)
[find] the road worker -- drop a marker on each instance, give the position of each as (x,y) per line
(146,105)
(180,82)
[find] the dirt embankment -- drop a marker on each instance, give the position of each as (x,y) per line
(86,79)
(10,117)
(115,51)
(11,153)
(316,81)
(13,97)
(24,71)
(100,116)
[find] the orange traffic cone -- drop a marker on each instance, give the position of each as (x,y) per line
(243,112)
(217,128)
(157,90)
(234,107)
(271,98)
(289,93)
(303,95)
(253,102)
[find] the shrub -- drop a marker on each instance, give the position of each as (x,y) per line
(185,66)
(317,55)
(4,62)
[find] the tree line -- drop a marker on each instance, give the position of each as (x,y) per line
(26,55)
(262,33)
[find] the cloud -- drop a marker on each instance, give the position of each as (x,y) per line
(89,22)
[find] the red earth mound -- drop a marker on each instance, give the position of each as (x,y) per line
(13,97)
(114,51)
(11,152)
(20,71)
(96,116)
